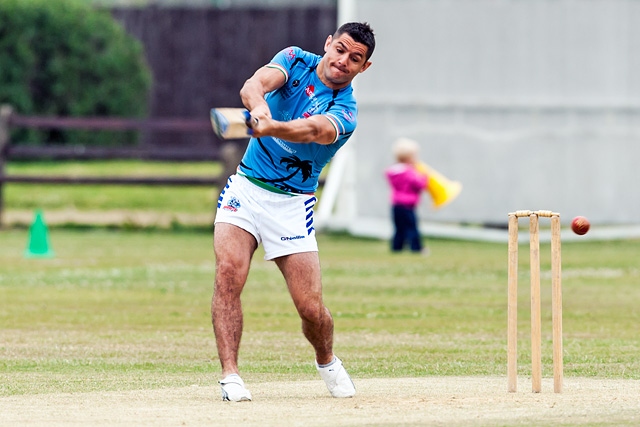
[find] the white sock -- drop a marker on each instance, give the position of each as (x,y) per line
(328,364)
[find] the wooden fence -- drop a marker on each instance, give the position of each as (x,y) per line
(229,153)
(201,56)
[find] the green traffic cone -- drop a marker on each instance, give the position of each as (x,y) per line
(38,239)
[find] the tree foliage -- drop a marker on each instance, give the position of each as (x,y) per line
(68,58)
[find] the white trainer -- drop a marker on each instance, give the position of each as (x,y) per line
(233,389)
(337,379)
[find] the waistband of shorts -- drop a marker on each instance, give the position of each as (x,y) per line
(272,188)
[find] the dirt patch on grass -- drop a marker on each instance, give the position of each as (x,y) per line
(438,401)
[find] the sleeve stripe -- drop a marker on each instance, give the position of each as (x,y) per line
(336,126)
(281,68)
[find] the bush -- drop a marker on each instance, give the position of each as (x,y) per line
(67,58)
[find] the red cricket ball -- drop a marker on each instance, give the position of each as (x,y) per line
(580,225)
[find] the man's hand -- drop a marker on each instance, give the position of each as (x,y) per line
(258,124)
(250,121)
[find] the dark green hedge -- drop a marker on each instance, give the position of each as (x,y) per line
(67,58)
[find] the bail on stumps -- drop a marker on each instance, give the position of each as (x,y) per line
(38,245)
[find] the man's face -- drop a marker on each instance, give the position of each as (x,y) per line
(343,60)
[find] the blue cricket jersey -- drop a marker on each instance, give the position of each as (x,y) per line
(290,166)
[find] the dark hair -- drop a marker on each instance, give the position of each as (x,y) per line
(360,32)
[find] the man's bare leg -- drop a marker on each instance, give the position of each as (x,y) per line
(302,274)
(233,249)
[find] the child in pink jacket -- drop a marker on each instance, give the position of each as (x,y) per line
(407,185)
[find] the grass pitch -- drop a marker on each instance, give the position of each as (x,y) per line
(118,310)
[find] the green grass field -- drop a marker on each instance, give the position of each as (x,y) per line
(193,200)
(126,310)
(129,309)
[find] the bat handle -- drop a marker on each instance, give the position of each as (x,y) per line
(250,121)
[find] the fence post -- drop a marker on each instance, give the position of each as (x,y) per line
(5,116)
(231,155)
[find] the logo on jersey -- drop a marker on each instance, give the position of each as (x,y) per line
(286,92)
(232,205)
(285,115)
(290,54)
(309,90)
(348,115)
(283,145)
(315,104)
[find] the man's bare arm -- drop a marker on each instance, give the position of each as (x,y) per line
(318,128)
(263,81)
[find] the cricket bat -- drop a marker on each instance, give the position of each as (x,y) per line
(230,123)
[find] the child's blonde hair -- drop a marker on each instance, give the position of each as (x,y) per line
(405,150)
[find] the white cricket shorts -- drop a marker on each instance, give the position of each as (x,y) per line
(283,223)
